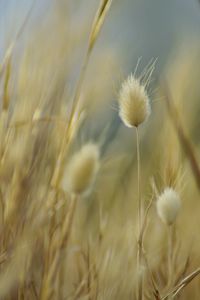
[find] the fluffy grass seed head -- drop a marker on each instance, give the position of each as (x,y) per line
(168,206)
(134,106)
(81,172)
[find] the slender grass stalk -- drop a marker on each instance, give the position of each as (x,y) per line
(57,173)
(48,279)
(187,146)
(139,179)
(170,254)
(134,109)
(12,45)
(95,29)
(182,284)
(139,255)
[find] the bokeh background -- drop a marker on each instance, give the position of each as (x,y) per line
(147,28)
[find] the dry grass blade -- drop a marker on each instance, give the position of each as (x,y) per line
(6,85)
(97,24)
(98,21)
(144,224)
(10,49)
(141,237)
(182,284)
(185,142)
(156,292)
(96,27)
(47,286)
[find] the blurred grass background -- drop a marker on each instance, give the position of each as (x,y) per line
(44,68)
(150,28)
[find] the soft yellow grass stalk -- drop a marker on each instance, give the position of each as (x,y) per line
(12,45)
(134,109)
(98,23)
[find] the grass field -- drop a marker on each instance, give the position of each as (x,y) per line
(99,170)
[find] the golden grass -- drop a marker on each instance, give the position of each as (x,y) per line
(59,243)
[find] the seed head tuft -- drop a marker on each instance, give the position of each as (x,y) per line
(134,106)
(81,172)
(168,206)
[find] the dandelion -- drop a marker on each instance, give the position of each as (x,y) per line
(82,170)
(134,106)
(168,206)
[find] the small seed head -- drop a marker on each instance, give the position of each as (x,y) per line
(134,106)
(168,206)
(81,172)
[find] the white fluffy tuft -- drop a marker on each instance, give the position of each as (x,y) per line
(134,106)
(82,170)
(168,206)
